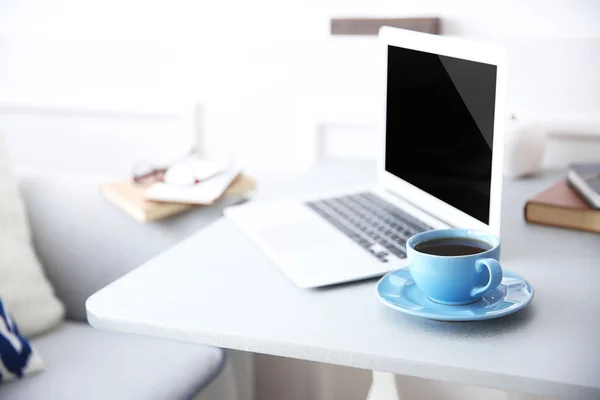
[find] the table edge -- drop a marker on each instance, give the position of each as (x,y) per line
(344,357)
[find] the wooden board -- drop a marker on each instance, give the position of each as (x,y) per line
(370,26)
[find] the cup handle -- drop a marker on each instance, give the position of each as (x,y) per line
(495,270)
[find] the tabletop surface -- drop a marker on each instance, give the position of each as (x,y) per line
(217,288)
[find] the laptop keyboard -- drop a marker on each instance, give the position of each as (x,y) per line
(371,222)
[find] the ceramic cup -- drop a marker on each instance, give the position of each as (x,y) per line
(457,279)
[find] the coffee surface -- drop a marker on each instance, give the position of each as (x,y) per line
(452,246)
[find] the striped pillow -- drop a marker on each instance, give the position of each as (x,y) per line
(17,358)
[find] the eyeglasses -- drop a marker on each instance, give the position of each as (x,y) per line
(145,173)
(187,171)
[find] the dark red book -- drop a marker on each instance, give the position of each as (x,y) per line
(560,206)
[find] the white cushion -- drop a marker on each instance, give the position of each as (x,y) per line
(17,357)
(23,286)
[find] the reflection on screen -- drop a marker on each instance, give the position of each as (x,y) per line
(440,127)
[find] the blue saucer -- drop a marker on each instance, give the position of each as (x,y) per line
(398,290)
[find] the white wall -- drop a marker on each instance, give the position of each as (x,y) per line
(267,70)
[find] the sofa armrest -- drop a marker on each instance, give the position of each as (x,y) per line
(84,242)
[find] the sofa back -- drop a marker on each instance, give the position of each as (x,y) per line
(84,242)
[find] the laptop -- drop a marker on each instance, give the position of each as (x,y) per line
(441,166)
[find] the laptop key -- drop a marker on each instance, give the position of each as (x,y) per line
(398,253)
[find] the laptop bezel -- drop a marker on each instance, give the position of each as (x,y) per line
(457,48)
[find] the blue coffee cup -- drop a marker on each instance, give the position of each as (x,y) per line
(454,279)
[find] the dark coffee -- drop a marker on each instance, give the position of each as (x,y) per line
(455,246)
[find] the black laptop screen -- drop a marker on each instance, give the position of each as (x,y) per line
(440,127)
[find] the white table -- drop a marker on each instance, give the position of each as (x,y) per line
(217,288)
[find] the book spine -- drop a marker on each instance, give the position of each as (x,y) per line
(561,218)
(526,213)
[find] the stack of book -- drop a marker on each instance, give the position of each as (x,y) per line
(572,203)
(185,185)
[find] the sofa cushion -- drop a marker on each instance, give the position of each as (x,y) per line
(23,285)
(84,363)
(17,357)
(85,242)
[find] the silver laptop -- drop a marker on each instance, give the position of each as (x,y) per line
(441,166)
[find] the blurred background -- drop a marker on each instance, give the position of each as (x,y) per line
(95,86)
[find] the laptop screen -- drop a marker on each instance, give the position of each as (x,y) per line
(440,127)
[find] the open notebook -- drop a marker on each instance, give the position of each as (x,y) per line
(202,193)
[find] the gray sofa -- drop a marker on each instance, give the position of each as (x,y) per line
(84,243)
